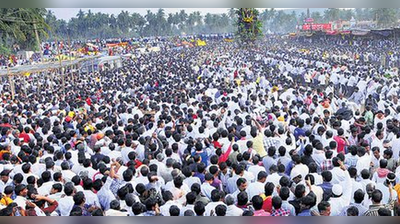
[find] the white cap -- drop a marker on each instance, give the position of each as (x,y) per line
(337,190)
(295,173)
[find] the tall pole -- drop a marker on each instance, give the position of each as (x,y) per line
(308,17)
(61,69)
(10,79)
(69,52)
(38,41)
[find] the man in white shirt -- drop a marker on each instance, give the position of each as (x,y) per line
(274,176)
(255,169)
(91,198)
(341,194)
(114,210)
(206,188)
(216,198)
(5,180)
(232,209)
(190,200)
(338,175)
(65,204)
(364,161)
(21,191)
(169,201)
(387,193)
(257,188)
(45,189)
(190,179)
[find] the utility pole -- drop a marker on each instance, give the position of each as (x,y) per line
(308,17)
(38,41)
(11,80)
(61,69)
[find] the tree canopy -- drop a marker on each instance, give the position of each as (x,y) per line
(16,24)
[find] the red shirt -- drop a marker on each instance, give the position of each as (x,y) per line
(217,145)
(25,137)
(89,101)
(267,205)
(341,143)
(224,157)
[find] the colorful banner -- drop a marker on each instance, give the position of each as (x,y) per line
(201,43)
(318,26)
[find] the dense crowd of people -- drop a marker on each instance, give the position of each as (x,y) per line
(282,128)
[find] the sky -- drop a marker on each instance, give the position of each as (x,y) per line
(68,13)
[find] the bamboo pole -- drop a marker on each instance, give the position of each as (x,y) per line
(10,79)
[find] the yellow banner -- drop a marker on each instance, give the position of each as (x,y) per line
(201,43)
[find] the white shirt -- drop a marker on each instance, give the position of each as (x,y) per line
(318,178)
(232,210)
(206,189)
(274,178)
(124,153)
(45,188)
(67,175)
(210,208)
(186,208)
(385,193)
(165,208)
(338,175)
(4,185)
(192,180)
(21,201)
(65,205)
(255,170)
(112,212)
(254,189)
(337,205)
(363,163)
(91,198)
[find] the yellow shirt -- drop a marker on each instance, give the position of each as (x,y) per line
(258,145)
(397,189)
(6,201)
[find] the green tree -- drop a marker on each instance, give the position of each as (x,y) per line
(332,14)
(385,17)
(16,25)
(318,18)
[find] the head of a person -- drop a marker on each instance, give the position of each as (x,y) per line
(242,184)
(352,211)
(115,205)
(199,208)
(326,176)
(384,212)
(216,195)
(220,210)
(376,197)
(5,176)
(151,204)
(257,202)
(21,190)
(242,198)
(79,198)
(276,202)
(174,210)
(308,202)
(324,208)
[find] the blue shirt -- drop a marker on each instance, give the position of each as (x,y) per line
(327,187)
(299,132)
(203,155)
(305,213)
